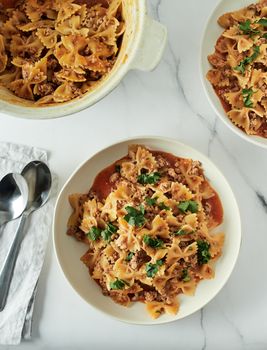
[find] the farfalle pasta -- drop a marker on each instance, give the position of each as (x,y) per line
(239,73)
(148,221)
(75,42)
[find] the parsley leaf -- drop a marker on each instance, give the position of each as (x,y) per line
(242,65)
(153,242)
(151,201)
(108,232)
(262,22)
(185,206)
(149,178)
(129,256)
(117,284)
(94,233)
(117,168)
(185,275)
(180,233)
(162,206)
(247,93)
(135,217)
(247,30)
(264,36)
(152,269)
(203,254)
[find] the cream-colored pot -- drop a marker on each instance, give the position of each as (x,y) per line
(142,48)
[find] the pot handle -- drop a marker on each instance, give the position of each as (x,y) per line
(151,47)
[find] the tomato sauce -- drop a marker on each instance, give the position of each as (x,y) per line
(102,185)
(216,211)
(8,3)
(226,106)
(168,156)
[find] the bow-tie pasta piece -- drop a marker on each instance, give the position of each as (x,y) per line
(48,37)
(29,27)
(244,117)
(66,10)
(68,51)
(37,9)
(7,77)
(10,27)
(23,46)
(3,55)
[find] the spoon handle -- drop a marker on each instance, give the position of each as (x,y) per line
(6,272)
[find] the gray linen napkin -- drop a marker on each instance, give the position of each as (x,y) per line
(16,318)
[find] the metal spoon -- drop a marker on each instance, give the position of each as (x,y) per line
(39,180)
(13,197)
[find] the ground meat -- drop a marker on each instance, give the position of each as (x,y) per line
(170,290)
(207,208)
(76,232)
(44,89)
(102,284)
(162,162)
(114,177)
(92,194)
(172,173)
(139,258)
(152,296)
(184,244)
(120,298)
(196,169)
(217,60)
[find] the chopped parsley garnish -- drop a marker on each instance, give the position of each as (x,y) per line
(117,168)
(264,36)
(118,284)
(135,217)
(129,256)
(162,206)
(180,233)
(94,233)
(185,275)
(152,269)
(151,201)
(108,231)
(247,30)
(242,65)
(149,178)
(262,22)
(185,206)
(153,242)
(203,254)
(247,93)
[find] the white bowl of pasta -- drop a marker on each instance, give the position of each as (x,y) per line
(233,61)
(58,57)
(153,233)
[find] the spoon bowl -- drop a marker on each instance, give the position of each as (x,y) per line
(39,181)
(13,197)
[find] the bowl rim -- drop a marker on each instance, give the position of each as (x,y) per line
(130,140)
(104,88)
(223,117)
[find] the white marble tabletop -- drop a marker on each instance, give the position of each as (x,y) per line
(170,102)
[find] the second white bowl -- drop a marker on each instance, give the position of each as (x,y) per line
(69,251)
(211,34)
